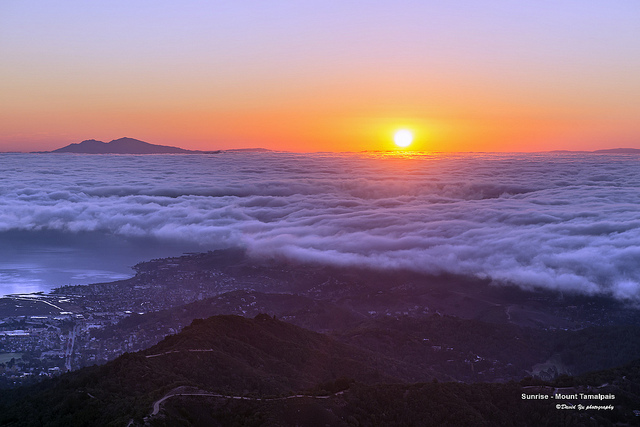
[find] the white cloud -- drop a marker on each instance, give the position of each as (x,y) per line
(565,222)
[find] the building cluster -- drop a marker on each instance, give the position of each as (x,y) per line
(72,327)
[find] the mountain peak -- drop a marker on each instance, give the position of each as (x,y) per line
(123,145)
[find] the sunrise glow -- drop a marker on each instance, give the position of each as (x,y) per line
(211,197)
(403,138)
(261,75)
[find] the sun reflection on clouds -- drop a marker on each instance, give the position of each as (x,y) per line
(560,221)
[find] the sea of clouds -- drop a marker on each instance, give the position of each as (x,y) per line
(565,221)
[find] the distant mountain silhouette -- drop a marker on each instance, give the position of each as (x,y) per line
(256,150)
(120,146)
(134,146)
(604,151)
(620,151)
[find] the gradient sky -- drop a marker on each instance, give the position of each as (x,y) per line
(321,75)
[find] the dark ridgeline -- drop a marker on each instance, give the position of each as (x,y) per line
(124,146)
(230,370)
(135,146)
(231,355)
(619,151)
(397,362)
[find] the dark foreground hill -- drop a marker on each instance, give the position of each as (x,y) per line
(424,404)
(462,349)
(223,354)
(229,370)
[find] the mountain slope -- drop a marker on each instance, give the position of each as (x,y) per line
(229,370)
(428,404)
(120,146)
(223,354)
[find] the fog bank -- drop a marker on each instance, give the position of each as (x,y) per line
(560,221)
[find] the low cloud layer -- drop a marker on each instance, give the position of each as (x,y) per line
(569,222)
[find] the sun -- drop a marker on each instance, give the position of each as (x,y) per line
(403,138)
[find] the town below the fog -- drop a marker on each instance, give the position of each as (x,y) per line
(43,335)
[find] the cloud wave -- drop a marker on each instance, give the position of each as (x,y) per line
(559,221)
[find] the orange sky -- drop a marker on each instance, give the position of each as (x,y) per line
(321,76)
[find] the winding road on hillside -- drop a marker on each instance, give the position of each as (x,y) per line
(177,392)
